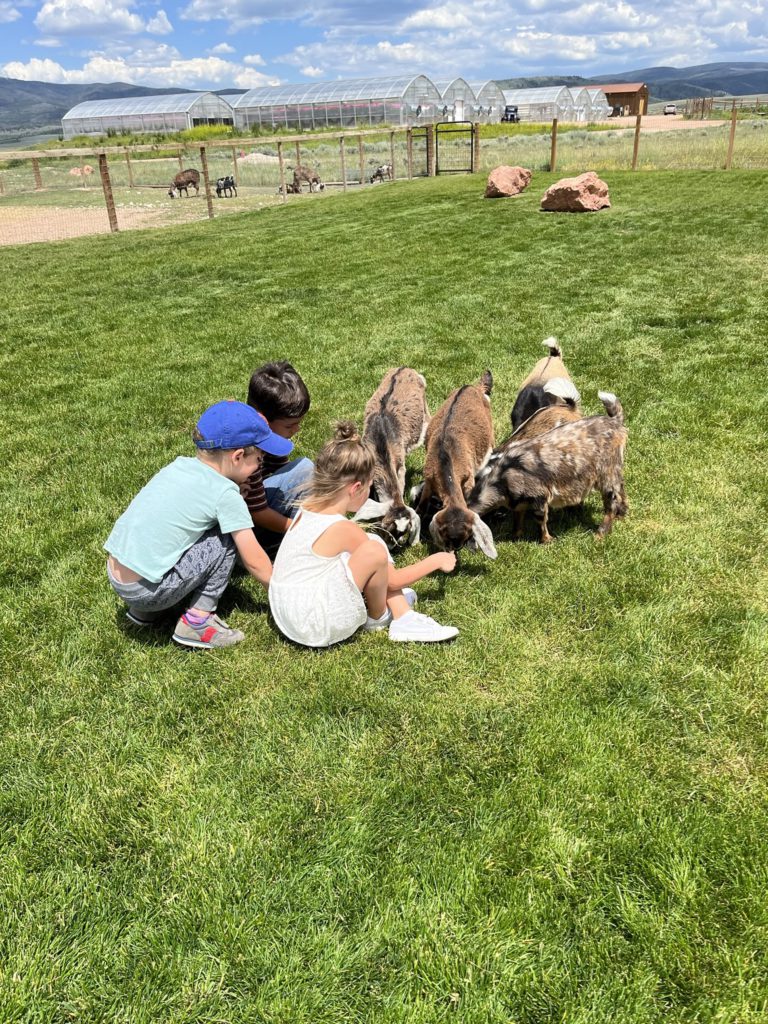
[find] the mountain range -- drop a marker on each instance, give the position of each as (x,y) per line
(26,106)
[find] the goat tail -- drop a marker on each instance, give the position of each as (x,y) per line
(612,405)
(565,389)
(486,382)
(551,344)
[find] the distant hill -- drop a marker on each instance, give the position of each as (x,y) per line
(43,104)
(727,79)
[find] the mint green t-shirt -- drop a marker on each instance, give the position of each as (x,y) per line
(171,512)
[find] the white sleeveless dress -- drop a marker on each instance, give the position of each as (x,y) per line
(314,599)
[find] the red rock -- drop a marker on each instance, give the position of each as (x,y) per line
(506,181)
(576,195)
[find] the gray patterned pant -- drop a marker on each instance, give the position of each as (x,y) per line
(199,578)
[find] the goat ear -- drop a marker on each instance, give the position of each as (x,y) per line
(483,537)
(372,510)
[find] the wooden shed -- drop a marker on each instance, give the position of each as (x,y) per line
(630,97)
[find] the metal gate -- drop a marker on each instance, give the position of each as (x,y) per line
(455,147)
(418,151)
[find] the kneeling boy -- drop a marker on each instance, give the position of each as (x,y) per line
(277,391)
(178,539)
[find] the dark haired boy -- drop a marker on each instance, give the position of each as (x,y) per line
(178,539)
(277,391)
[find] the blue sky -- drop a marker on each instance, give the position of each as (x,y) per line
(245,43)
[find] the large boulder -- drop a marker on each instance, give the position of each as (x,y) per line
(506,181)
(582,194)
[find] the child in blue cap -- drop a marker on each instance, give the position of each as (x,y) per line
(178,539)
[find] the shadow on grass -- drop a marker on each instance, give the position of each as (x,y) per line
(580,518)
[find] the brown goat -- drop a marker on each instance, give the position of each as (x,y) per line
(183,180)
(301,174)
(548,383)
(558,469)
(459,441)
(546,418)
(396,418)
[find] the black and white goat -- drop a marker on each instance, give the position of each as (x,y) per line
(382,171)
(548,383)
(226,187)
(557,469)
(459,442)
(396,418)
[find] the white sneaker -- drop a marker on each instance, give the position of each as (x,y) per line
(420,628)
(410,596)
(371,625)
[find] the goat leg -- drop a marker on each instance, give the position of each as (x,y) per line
(540,509)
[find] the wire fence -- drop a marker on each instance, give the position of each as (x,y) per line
(56,194)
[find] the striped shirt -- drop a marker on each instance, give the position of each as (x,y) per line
(253,488)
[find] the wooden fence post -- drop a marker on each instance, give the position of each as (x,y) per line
(281,161)
(106,185)
(392,154)
(475,147)
(409,151)
(636,144)
(361,156)
(234,164)
(553,146)
(430,150)
(130,169)
(207,181)
(343,163)
(298,155)
(731,138)
(36,172)
(181,164)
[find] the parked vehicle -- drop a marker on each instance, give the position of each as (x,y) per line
(510,114)
(670,108)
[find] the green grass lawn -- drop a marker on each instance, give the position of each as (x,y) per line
(559,818)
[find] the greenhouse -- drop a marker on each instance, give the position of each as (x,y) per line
(412,99)
(489,102)
(457,100)
(600,108)
(171,113)
(541,104)
(582,104)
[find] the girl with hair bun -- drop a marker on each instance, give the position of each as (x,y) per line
(330,577)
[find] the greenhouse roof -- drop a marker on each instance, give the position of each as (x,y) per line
(547,94)
(169,104)
(444,84)
(322,92)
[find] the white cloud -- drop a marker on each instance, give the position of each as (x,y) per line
(222,48)
(159,25)
(447,16)
(197,72)
(48,42)
(253,60)
(312,72)
(87,17)
(8,13)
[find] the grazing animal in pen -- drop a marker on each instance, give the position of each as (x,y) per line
(226,187)
(382,171)
(547,416)
(558,469)
(548,383)
(183,180)
(396,419)
(459,442)
(302,174)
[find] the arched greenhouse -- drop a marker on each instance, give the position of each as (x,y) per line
(600,108)
(582,104)
(172,113)
(541,104)
(489,102)
(457,99)
(412,99)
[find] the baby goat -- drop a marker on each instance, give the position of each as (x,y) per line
(301,174)
(547,417)
(382,171)
(548,383)
(183,180)
(226,187)
(396,419)
(557,469)
(459,441)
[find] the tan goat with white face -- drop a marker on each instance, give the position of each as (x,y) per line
(459,442)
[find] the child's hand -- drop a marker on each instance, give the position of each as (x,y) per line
(446,561)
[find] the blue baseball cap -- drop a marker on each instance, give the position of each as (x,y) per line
(236,425)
